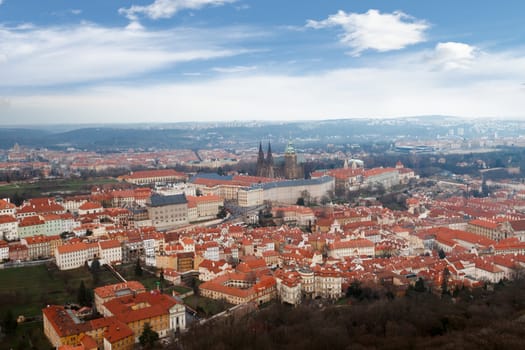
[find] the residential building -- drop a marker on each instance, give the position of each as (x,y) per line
(351,248)
(75,255)
(148,177)
(168,212)
(8,227)
(110,251)
(106,293)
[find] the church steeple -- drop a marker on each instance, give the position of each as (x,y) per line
(269,156)
(269,161)
(260,161)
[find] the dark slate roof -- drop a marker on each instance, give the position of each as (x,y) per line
(293,183)
(211,176)
(158,200)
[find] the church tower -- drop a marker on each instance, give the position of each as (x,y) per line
(291,169)
(260,161)
(269,162)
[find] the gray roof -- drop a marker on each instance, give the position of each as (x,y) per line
(289,183)
(157,200)
(211,176)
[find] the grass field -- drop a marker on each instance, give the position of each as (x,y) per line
(28,336)
(26,290)
(147,279)
(50,187)
(206,307)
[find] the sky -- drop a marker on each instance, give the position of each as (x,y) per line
(117,61)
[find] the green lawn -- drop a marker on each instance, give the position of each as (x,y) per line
(147,279)
(206,307)
(26,290)
(182,289)
(27,336)
(46,187)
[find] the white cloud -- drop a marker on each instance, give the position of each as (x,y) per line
(32,56)
(234,69)
(374,30)
(76,11)
(453,55)
(404,89)
(168,8)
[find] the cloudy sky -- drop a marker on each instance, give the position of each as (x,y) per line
(66,61)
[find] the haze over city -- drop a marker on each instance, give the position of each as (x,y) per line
(178,60)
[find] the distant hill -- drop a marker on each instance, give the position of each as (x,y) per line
(244,133)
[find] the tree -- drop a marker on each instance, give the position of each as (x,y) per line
(149,337)
(138,268)
(420,285)
(222,212)
(444,283)
(9,324)
(82,294)
(95,266)
(161,278)
(95,269)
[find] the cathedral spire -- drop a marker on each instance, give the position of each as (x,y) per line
(269,156)
(260,161)
(269,161)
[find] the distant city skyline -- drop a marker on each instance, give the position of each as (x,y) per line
(169,61)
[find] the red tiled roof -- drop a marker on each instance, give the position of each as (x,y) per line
(5,219)
(110,290)
(141,306)
(155,173)
(109,244)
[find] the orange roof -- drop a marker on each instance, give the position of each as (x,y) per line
(378,171)
(88,342)
(484,223)
(353,243)
(145,174)
(62,321)
(37,239)
(109,244)
(31,221)
(111,290)
(6,205)
(141,306)
(5,219)
(204,199)
(90,205)
(73,247)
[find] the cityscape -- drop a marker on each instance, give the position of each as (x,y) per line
(249,174)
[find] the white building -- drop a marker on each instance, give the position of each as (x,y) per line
(72,256)
(8,227)
(6,207)
(350,248)
(110,251)
(4,250)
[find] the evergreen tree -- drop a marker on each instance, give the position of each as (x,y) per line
(444,283)
(138,268)
(9,324)
(149,337)
(82,294)
(420,285)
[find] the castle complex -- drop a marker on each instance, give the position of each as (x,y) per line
(289,170)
